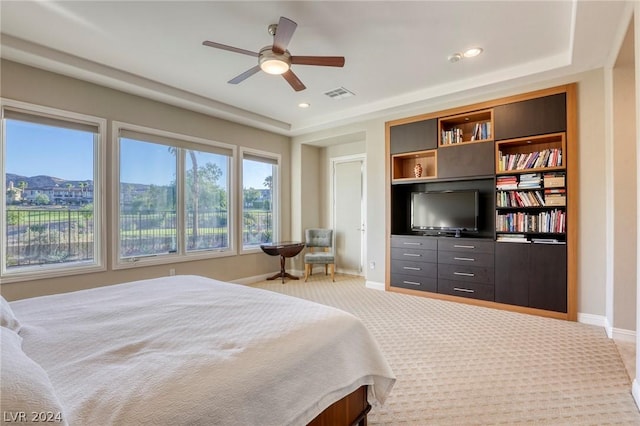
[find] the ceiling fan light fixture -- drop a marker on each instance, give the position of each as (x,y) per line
(274,63)
(274,66)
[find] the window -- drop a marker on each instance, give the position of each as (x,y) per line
(51,214)
(259,199)
(174,196)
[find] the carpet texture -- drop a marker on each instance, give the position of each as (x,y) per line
(459,364)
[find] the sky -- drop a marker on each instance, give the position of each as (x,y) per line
(35,149)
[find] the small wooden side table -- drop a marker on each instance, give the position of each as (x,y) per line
(283,249)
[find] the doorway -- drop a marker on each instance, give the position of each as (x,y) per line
(348,215)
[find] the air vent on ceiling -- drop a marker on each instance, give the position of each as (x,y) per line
(339,93)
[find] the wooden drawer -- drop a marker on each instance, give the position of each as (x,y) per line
(414,268)
(466,259)
(470,274)
(414,242)
(467,245)
(466,289)
(414,282)
(414,255)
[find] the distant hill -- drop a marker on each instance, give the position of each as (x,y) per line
(41,181)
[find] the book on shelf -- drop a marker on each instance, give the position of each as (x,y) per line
(507,182)
(512,238)
(555,200)
(547,241)
(555,191)
(530,181)
(553,180)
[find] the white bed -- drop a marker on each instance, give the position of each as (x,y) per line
(191,350)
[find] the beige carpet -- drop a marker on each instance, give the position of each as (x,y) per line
(464,365)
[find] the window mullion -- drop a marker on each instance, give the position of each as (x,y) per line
(181,216)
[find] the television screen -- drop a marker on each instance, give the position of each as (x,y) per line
(444,211)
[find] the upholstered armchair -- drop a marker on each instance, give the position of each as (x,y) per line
(319,243)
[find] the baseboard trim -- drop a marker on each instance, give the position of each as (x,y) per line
(624,335)
(374,285)
(635,391)
(591,319)
(252,280)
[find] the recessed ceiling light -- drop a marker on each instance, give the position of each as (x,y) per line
(474,51)
(455,57)
(304,104)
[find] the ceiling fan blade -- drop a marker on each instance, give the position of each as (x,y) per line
(294,81)
(229,48)
(248,73)
(284,32)
(325,61)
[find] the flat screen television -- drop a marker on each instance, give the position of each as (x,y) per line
(445,211)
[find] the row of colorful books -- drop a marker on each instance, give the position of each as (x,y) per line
(552,221)
(551,157)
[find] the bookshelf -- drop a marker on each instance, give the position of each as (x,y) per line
(476,126)
(537,153)
(520,153)
(530,189)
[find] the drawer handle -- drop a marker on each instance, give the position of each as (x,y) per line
(465,290)
(465,274)
(468,259)
(412,268)
(412,244)
(462,246)
(411,282)
(411,254)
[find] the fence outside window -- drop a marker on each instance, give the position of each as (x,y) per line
(45,236)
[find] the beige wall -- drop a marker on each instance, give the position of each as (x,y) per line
(591,157)
(624,187)
(23,83)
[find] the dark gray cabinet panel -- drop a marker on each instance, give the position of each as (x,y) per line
(466,267)
(466,160)
(512,273)
(417,136)
(537,116)
(548,277)
(533,275)
(414,262)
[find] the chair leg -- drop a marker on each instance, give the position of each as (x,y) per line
(332,267)
(325,269)
(307,268)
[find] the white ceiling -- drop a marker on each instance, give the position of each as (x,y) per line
(396,52)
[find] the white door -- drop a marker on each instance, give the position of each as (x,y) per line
(348,214)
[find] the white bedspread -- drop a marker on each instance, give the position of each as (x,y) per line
(191,350)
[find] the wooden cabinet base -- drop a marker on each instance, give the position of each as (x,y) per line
(486,304)
(350,410)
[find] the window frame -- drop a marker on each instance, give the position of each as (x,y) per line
(181,255)
(276,188)
(98,264)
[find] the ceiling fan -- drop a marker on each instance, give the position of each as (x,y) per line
(276,59)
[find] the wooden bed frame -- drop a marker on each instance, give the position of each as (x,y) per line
(349,411)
